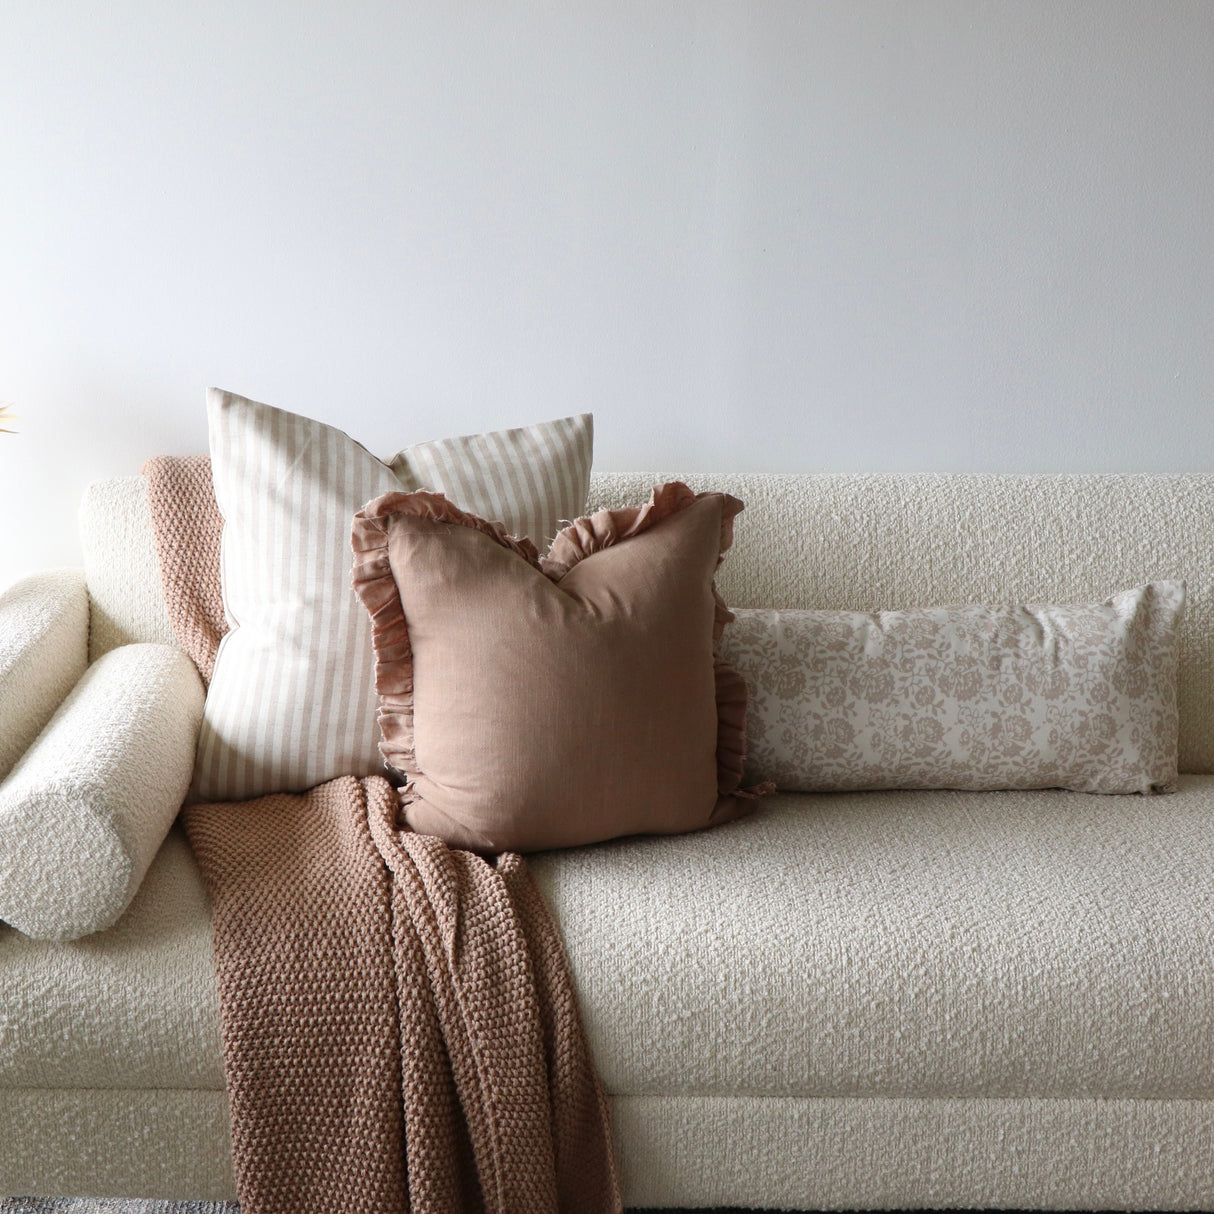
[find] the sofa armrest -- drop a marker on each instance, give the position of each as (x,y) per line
(83,813)
(44,643)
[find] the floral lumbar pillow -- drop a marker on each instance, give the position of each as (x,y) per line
(528,706)
(976,697)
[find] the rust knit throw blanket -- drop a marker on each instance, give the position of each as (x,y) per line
(187,527)
(400,1027)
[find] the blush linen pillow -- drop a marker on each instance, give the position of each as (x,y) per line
(1018,696)
(531,706)
(291,701)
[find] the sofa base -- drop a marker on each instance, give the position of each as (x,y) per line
(115,1142)
(776,1152)
(897,1153)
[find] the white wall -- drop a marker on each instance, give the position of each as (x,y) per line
(932,234)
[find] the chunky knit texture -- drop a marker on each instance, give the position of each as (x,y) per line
(400,1028)
(187,527)
(400,1031)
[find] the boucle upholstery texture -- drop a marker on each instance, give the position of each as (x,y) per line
(870,543)
(903,1153)
(164,1143)
(1035,948)
(144,992)
(864,1097)
(44,628)
(853,543)
(120,567)
(807,1154)
(926,944)
(1103,1098)
(84,811)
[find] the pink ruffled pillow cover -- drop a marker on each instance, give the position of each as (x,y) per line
(531,705)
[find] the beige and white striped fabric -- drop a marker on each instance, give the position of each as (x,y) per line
(292,701)
(532,479)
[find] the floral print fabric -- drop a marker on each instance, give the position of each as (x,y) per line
(975,697)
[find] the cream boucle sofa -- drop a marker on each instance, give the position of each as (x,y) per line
(878,1000)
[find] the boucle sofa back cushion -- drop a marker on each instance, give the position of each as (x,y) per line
(891,542)
(865,543)
(125,602)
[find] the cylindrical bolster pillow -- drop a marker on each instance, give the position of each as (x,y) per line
(84,812)
(44,646)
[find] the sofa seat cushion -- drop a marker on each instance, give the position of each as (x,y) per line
(904,944)
(134,1006)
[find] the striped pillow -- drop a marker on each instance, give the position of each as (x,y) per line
(292,700)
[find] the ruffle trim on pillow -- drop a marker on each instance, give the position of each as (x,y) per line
(732,697)
(595,532)
(376,588)
(425,503)
(603,528)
